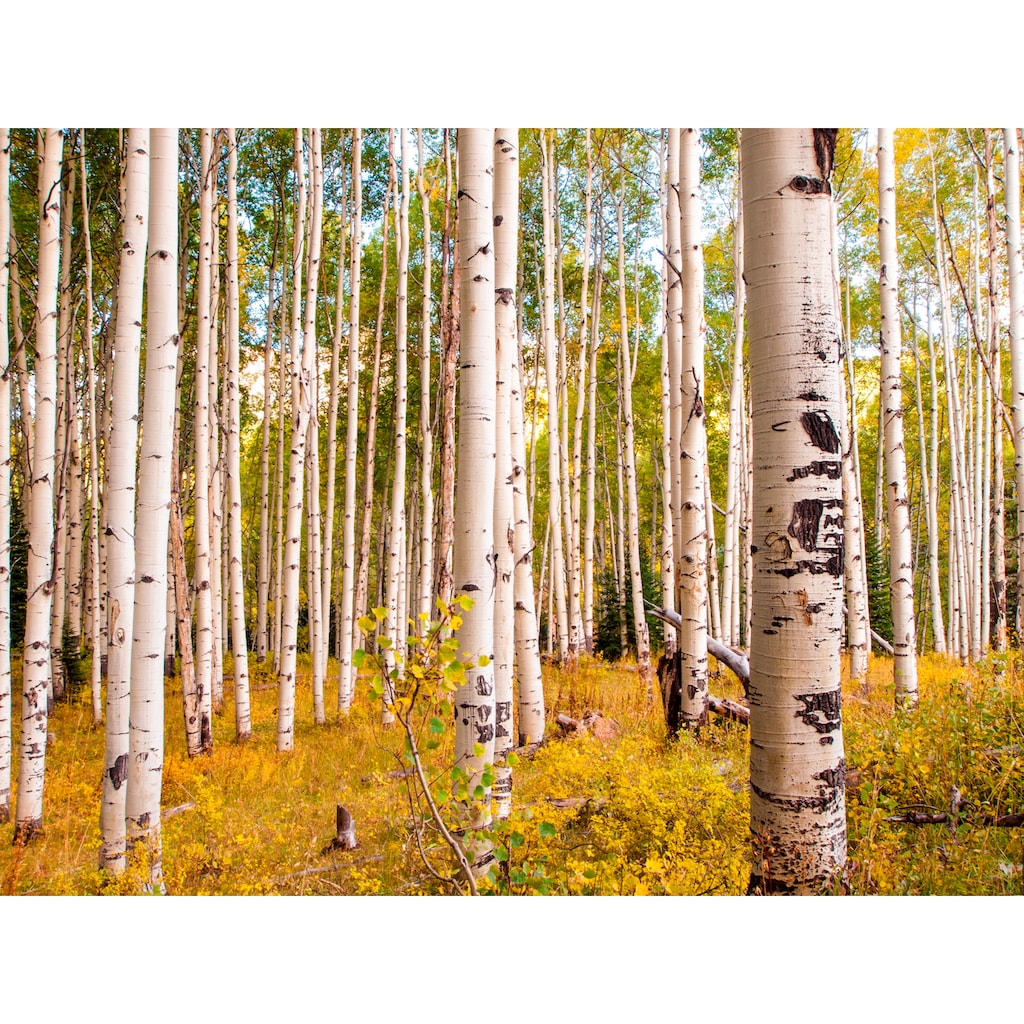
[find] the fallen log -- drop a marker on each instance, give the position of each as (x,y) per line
(943,818)
(592,722)
(729,709)
(173,812)
(735,660)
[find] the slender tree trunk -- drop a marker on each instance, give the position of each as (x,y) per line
(146,716)
(426,552)
(239,644)
(473,553)
(797,802)
(120,499)
(346,672)
(189,684)
(5,482)
(505,229)
(36,675)
(693,515)
(1015,276)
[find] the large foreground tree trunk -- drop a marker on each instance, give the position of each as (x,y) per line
(797,802)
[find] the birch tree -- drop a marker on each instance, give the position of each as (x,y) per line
(34,708)
(146,703)
(901,570)
(797,770)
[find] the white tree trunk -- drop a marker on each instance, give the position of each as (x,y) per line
(506,229)
(692,514)
(146,715)
(239,644)
(1015,275)
(34,708)
(5,483)
(797,770)
(202,574)
(473,549)
(346,671)
(120,499)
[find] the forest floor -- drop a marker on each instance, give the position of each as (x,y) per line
(633,812)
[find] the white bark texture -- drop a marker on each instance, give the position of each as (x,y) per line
(5,483)
(506,229)
(1015,262)
(346,671)
(239,645)
(201,579)
(691,519)
(473,549)
(34,707)
(146,715)
(901,570)
(120,498)
(797,770)
(301,404)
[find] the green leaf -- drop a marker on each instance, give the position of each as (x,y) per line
(478,750)
(385,642)
(465,602)
(366,624)
(380,613)
(487,778)
(500,854)
(483,661)
(433,744)
(479,793)
(358,657)
(511,759)
(436,726)
(546,830)
(516,840)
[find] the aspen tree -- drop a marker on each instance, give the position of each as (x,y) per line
(797,770)
(1015,280)
(693,513)
(34,708)
(146,717)
(301,381)
(263,577)
(120,499)
(505,228)
(589,514)
(239,644)
(396,566)
(473,548)
(628,463)
(202,576)
(426,429)
(215,505)
(95,641)
(5,482)
(346,677)
(553,389)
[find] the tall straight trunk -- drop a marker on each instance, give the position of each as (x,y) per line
(216,490)
(1015,278)
(473,549)
(553,390)
(450,312)
(65,407)
(239,644)
(589,514)
(333,401)
(901,569)
(396,565)
(736,469)
(202,578)
(146,715)
(283,390)
(692,514)
(346,676)
(995,393)
(263,572)
(120,499)
(303,349)
(317,637)
(95,641)
(797,769)
(5,482)
(362,586)
(426,552)
(74,573)
(190,703)
(36,675)
(505,229)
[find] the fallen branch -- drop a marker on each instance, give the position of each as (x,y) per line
(173,812)
(729,709)
(593,722)
(732,659)
(879,641)
(943,818)
(326,868)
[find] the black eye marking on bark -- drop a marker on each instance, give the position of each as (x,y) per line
(504,296)
(810,186)
(812,396)
(831,470)
(821,711)
(803,526)
(119,771)
(821,430)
